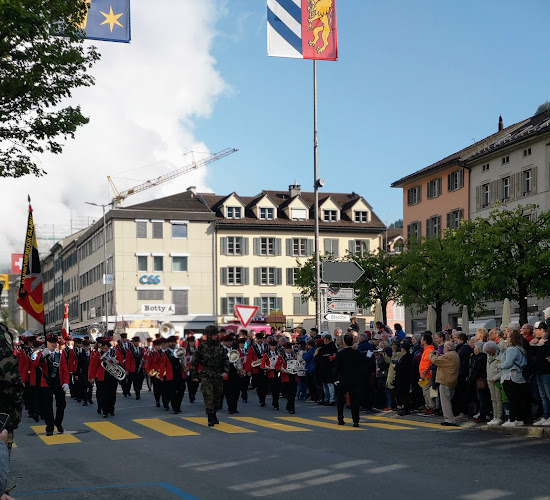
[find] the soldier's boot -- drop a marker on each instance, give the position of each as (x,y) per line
(215,419)
(211,420)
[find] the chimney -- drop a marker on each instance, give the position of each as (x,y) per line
(192,190)
(295,189)
(500,123)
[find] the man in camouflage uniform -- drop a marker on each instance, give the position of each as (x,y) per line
(215,367)
(11,386)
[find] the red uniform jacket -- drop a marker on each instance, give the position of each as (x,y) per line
(272,371)
(152,361)
(69,356)
(23,364)
(251,356)
(130,364)
(286,377)
(96,370)
(40,362)
(167,369)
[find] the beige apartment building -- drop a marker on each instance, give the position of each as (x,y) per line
(261,239)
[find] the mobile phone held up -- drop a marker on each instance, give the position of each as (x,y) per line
(4,420)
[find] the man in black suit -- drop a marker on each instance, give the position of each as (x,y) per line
(346,375)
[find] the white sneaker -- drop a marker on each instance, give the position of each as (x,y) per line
(495,421)
(539,422)
(476,415)
(509,424)
(519,423)
(546,423)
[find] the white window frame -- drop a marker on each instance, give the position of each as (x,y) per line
(266,213)
(506,188)
(299,247)
(330,215)
(267,245)
(174,256)
(267,304)
(361,216)
(485,195)
(234,275)
(527,181)
(237,243)
(234,212)
(267,276)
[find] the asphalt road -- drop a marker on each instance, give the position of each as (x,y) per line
(146,453)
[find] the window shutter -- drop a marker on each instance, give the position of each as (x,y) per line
(244,246)
(461,178)
(224,306)
(366,245)
(460,215)
(500,190)
(245,275)
(449,219)
(519,185)
(512,187)
(428,228)
(409,231)
(335,248)
(351,246)
(309,247)
(296,305)
(290,276)
(419,194)
(278,245)
(181,301)
(478,197)
(439,224)
(439,184)
(223,245)
(279,303)
(305,306)
(141,228)
(157,230)
(223,276)
(289,245)
(449,183)
(258,303)
(246,301)
(327,245)
(534,180)
(409,196)
(278,275)
(257,275)
(419,229)
(429,190)
(256,246)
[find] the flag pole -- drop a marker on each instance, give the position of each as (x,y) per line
(316,203)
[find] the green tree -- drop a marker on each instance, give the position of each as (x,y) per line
(38,69)
(545,106)
(507,255)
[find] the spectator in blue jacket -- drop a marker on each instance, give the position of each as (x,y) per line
(309,358)
(399,334)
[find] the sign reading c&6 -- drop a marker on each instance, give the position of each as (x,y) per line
(151,279)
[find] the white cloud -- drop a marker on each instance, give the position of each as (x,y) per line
(142,110)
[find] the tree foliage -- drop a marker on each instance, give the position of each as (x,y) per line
(545,106)
(38,69)
(508,255)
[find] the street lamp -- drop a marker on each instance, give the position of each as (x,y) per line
(106,296)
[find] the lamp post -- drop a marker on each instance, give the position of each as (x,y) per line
(106,296)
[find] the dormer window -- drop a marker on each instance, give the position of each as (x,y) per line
(234,212)
(299,213)
(267,213)
(361,216)
(330,215)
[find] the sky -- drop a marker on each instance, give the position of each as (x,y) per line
(415,82)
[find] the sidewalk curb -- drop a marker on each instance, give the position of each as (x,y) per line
(529,431)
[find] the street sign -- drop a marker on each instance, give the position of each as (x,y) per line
(343,306)
(337,317)
(341,293)
(341,271)
(245,313)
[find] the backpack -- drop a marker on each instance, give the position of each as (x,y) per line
(528,369)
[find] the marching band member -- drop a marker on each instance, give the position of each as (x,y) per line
(259,379)
(231,385)
(121,348)
(190,348)
(174,376)
(55,382)
(134,365)
(69,357)
(272,363)
(106,384)
(245,378)
(289,380)
(84,390)
(148,350)
(152,367)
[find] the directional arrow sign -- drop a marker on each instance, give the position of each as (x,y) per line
(337,317)
(341,271)
(341,305)
(341,293)
(245,313)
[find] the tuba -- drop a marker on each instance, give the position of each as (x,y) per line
(112,367)
(235,359)
(167,329)
(95,330)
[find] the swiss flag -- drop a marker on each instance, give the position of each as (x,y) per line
(246,313)
(16,263)
(65,327)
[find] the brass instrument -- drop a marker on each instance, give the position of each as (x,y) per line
(235,359)
(179,352)
(256,364)
(34,355)
(112,367)
(95,330)
(154,373)
(167,329)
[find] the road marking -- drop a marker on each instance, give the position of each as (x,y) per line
(225,465)
(380,426)
(352,463)
(277,480)
(412,422)
(111,431)
(314,423)
(277,489)
(487,495)
(165,428)
(329,479)
(386,468)
(271,425)
(222,426)
(56,438)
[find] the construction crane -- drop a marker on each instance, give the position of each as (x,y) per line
(120,196)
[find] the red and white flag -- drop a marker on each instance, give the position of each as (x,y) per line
(65,327)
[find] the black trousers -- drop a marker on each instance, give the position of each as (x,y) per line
(126,385)
(165,394)
(231,390)
(34,401)
(290,388)
(106,394)
(192,388)
(260,381)
(353,391)
(244,383)
(157,388)
(136,380)
(311,387)
(85,389)
(520,401)
(46,396)
(176,390)
(274,385)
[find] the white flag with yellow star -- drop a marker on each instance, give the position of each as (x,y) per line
(108,20)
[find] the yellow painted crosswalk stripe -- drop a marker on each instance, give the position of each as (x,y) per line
(56,438)
(111,431)
(271,425)
(222,426)
(411,422)
(314,423)
(379,426)
(165,428)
